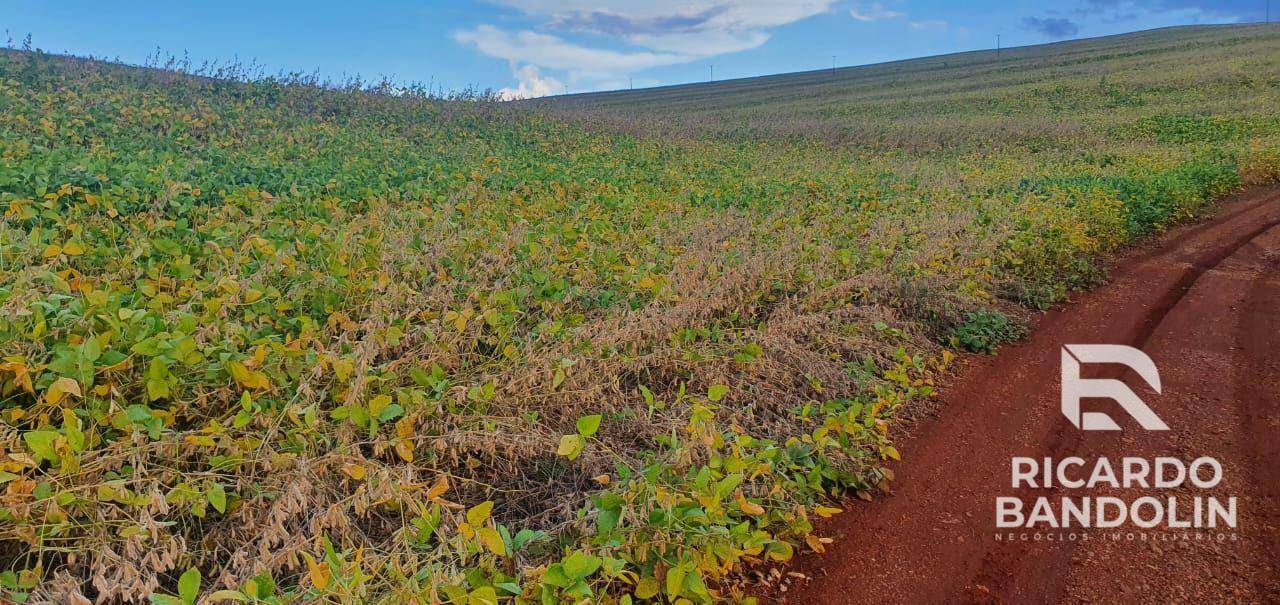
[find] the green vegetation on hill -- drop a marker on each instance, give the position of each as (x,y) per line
(1053,97)
(309,345)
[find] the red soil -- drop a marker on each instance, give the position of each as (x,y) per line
(1203,302)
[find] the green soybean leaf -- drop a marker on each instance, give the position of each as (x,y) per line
(189,586)
(588,425)
(717,392)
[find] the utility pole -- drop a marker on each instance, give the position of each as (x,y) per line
(713,72)
(997,45)
(833,66)
(631,83)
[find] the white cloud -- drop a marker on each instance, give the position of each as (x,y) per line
(644,35)
(874,12)
(532,84)
(552,52)
(696,45)
(699,14)
(931,24)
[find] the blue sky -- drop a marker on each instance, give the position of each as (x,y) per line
(537,47)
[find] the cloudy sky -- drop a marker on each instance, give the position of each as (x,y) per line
(540,47)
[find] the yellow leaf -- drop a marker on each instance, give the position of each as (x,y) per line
(480,512)
(260,381)
(439,488)
(459,319)
(21,374)
(404,448)
(571,446)
(378,404)
(51,251)
(466,530)
(827,511)
(240,373)
(404,427)
(751,508)
(342,368)
(602,479)
(60,387)
(73,248)
(492,540)
(647,588)
(816,544)
(675,581)
(485,595)
(355,471)
(319,574)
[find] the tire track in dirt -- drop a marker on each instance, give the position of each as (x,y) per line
(1204,302)
(1258,336)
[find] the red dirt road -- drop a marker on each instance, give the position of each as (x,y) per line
(1204,303)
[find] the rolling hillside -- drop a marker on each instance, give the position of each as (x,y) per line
(312,344)
(1063,91)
